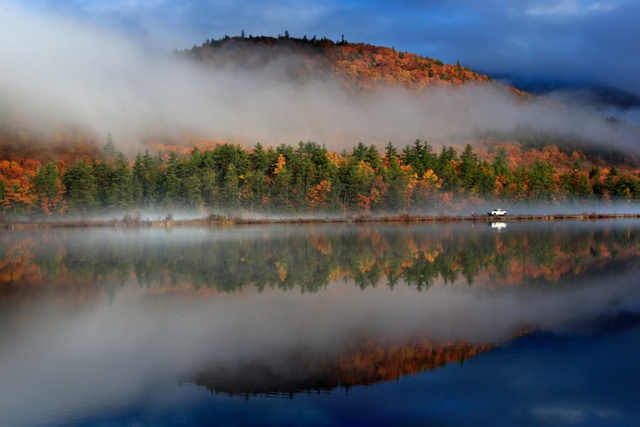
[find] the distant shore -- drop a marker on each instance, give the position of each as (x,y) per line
(216,220)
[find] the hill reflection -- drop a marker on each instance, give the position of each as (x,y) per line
(369,363)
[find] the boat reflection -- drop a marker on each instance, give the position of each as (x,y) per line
(499,226)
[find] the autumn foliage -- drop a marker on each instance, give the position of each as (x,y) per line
(366,364)
(356,65)
(58,266)
(309,179)
(68,172)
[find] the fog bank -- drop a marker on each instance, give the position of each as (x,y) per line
(58,71)
(111,352)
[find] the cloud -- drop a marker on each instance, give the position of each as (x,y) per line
(64,71)
(569,7)
(569,41)
(573,414)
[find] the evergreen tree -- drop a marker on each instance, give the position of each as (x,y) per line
(48,187)
(230,190)
(579,185)
(146,180)
(256,189)
(502,172)
(420,157)
(469,166)
(282,184)
(611,181)
(171,186)
(446,169)
(103,173)
(485,180)
(120,191)
(395,198)
(500,164)
(595,174)
(81,188)
(109,150)
(541,183)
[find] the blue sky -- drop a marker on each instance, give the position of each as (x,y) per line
(593,41)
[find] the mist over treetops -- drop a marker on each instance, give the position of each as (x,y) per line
(302,125)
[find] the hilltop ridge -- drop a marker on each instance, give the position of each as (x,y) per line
(358,65)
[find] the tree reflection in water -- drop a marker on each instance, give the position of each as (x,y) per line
(309,257)
(173,269)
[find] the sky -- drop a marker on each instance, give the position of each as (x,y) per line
(591,41)
(105,64)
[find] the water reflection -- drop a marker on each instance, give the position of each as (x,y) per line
(99,318)
(309,258)
(368,363)
(498,226)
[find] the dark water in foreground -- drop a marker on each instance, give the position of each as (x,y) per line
(533,323)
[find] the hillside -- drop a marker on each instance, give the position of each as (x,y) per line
(70,170)
(356,65)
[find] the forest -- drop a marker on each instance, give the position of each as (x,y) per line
(357,66)
(68,173)
(307,179)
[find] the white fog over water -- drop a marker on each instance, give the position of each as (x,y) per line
(129,318)
(110,352)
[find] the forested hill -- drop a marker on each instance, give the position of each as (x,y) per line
(356,65)
(70,171)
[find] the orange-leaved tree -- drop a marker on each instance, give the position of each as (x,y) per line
(17,193)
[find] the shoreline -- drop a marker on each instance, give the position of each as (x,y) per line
(213,221)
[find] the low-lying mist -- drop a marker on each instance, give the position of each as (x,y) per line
(57,72)
(115,350)
(95,319)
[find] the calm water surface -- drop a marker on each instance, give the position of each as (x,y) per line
(534,323)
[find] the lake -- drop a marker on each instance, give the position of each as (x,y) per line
(504,323)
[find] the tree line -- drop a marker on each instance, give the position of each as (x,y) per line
(308,179)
